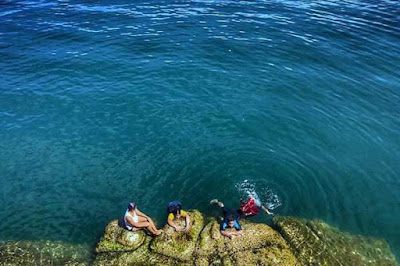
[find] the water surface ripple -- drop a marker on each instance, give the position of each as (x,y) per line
(106,102)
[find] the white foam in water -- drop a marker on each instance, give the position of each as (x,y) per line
(263,195)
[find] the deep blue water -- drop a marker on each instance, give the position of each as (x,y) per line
(103,103)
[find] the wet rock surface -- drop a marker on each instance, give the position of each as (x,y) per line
(259,245)
(290,241)
(141,256)
(14,253)
(316,243)
(179,245)
(117,238)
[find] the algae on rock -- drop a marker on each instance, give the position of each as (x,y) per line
(179,245)
(270,255)
(211,243)
(317,243)
(259,245)
(141,256)
(297,242)
(23,253)
(117,238)
(170,248)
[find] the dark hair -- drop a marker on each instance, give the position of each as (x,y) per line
(230,218)
(132,206)
(243,202)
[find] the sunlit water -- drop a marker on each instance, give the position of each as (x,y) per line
(103,103)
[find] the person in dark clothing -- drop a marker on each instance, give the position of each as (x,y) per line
(231,220)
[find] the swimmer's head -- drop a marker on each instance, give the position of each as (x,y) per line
(132,206)
(243,202)
(231,221)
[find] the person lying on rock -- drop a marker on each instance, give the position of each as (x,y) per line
(135,220)
(175,213)
(231,220)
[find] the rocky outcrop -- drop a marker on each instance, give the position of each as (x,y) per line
(179,245)
(290,241)
(24,253)
(317,243)
(141,256)
(259,245)
(118,239)
(203,245)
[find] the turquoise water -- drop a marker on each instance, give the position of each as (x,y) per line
(117,101)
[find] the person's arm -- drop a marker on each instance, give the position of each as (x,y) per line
(187,223)
(267,211)
(238,228)
(172,224)
(237,233)
(227,234)
(223,232)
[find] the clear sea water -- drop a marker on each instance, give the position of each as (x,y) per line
(107,102)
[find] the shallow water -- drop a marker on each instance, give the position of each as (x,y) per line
(111,102)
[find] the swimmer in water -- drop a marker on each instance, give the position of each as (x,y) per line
(251,207)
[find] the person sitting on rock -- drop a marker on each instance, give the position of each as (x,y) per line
(231,220)
(175,212)
(136,220)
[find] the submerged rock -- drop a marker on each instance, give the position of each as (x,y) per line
(43,253)
(296,242)
(317,243)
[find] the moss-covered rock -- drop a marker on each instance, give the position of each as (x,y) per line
(317,243)
(296,242)
(179,245)
(270,255)
(117,238)
(43,253)
(141,256)
(255,236)
(211,242)
(259,244)
(214,261)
